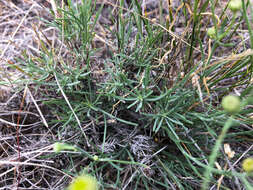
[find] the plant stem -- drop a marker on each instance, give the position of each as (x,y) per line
(215,151)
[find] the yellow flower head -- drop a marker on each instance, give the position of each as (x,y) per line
(247,165)
(84,182)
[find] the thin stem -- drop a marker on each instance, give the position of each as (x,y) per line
(215,151)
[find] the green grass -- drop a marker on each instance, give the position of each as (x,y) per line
(149,124)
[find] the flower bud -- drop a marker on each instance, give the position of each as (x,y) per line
(84,182)
(211,32)
(231,104)
(235,5)
(95,158)
(247,165)
(58,147)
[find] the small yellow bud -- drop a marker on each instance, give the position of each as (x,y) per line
(247,165)
(95,158)
(211,32)
(235,5)
(85,182)
(231,104)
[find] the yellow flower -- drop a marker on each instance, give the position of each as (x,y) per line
(84,182)
(247,165)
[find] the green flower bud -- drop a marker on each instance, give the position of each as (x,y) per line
(84,182)
(95,158)
(58,147)
(211,32)
(231,104)
(247,165)
(235,5)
